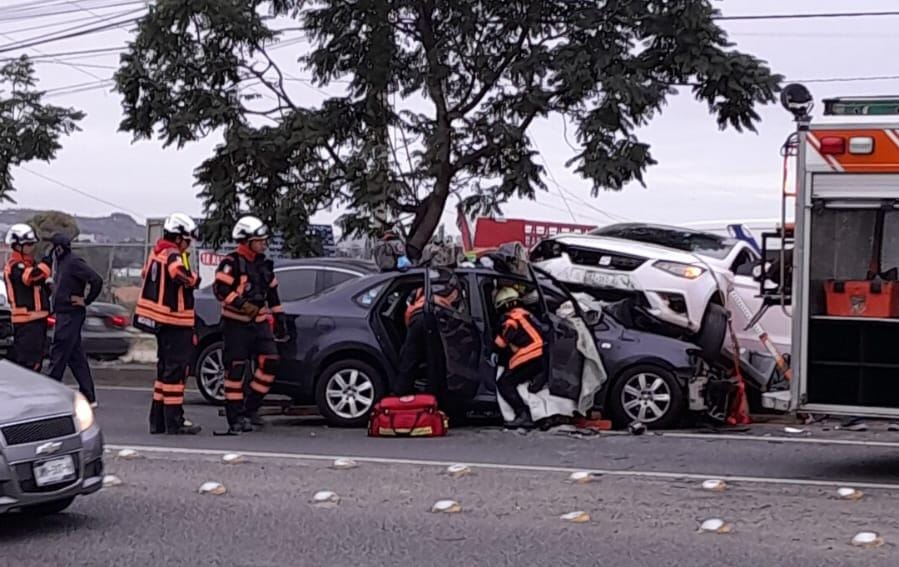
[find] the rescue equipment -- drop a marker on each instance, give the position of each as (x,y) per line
(408,416)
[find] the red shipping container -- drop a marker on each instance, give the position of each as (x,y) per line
(864,298)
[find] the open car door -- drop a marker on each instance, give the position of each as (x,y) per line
(461,339)
(566,363)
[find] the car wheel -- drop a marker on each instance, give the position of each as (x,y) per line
(648,394)
(710,337)
(211,373)
(48,508)
(346,392)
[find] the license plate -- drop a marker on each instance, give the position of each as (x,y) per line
(599,279)
(94,323)
(54,471)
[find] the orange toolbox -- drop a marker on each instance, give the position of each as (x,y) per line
(862,298)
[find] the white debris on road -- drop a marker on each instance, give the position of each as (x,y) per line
(458,470)
(128,454)
(233,459)
(581,477)
(714,485)
(850,494)
(446,507)
(111,480)
(578,517)
(325,498)
(214,488)
(715,525)
(867,539)
(344,464)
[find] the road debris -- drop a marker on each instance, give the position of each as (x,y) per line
(581,477)
(344,464)
(325,499)
(128,454)
(714,485)
(111,480)
(214,488)
(716,525)
(850,494)
(867,539)
(233,459)
(458,470)
(578,517)
(446,507)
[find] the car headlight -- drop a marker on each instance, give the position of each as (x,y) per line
(84,415)
(688,271)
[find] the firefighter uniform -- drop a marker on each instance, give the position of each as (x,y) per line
(29,299)
(522,346)
(248,290)
(166,306)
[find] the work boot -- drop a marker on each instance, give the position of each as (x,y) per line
(240,425)
(522,421)
(255,419)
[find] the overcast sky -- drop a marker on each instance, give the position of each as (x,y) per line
(703,174)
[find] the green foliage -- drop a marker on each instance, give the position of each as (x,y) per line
(439,99)
(29,129)
(49,223)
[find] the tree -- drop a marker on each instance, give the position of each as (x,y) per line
(458,84)
(29,129)
(48,223)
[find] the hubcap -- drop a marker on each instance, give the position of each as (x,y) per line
(212,375)
(350,393)
(646,397)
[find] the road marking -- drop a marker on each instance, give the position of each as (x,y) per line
(512,467)
(781,439)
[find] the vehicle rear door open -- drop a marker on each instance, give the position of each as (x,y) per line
(565,363)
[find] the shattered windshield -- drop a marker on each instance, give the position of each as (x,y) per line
(702,243)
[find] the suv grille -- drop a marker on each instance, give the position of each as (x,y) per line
(40,430)
(616,261)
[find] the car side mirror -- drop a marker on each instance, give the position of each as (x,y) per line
(593,318)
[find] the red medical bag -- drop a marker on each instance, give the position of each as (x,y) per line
(408,416)
(862,298)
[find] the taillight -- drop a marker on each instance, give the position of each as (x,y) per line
(118,321)
(833,146)
(271,322)
(51,321)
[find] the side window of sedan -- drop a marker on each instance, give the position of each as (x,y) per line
(296,284)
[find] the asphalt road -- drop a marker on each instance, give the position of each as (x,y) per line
(508,517)
(645,507)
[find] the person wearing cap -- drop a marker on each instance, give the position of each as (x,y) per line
(76,285)
(521,347)
(29,296)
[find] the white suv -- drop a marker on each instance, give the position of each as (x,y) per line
(676,272)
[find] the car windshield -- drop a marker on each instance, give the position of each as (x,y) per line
(702,243)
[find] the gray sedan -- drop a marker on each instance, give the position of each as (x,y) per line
(51,448)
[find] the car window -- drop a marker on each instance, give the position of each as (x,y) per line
(743,263)
(368,297)
(704,243)
(332,278)
(295,284)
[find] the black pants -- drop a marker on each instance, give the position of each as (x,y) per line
(66,351)
(413,354)
(174,346)
(30,342)
(245,342)
(508,383)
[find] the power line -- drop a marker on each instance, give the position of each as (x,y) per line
(851,79)
(83,53)
(84,193)
(63,11)
(89,31)
(821,15)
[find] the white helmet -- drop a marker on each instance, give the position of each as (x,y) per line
(180,224)
(249,228)
(20,234)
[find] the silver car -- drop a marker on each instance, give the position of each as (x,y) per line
(51,448)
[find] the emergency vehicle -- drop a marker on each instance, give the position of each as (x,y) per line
(844,291)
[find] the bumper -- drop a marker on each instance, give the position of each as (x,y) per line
(17,485)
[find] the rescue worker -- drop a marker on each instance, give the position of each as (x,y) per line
(246,286)
(73,276)
(166,308)
(29,296)
(521,352)
(414,351)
